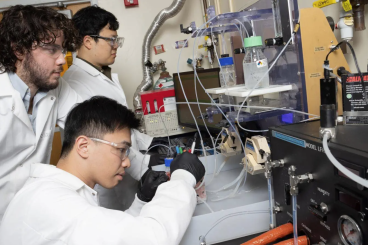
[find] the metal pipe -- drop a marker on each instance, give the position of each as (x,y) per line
(358,13)
(147,82)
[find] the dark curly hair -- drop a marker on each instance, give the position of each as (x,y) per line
(91,20)
(24,26)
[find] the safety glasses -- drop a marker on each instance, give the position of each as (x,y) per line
(53,50)
(113,41)
(121,150)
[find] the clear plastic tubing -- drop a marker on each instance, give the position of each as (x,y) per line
(227,186)
(270,197)
(295,221)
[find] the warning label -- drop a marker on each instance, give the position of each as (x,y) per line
(353,92)
(318,49)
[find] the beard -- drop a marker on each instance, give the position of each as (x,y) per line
(38,75)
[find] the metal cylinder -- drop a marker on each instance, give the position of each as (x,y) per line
(328,116)
(164,14)
(358,14)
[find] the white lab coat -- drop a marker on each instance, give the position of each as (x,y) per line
(57,208)
(19,145)
(88,82)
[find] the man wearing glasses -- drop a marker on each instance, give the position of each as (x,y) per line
(90,75)
(58,205)
(33,97)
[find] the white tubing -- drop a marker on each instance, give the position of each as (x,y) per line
(233,193)
(227,186)
(204,122)
(181,84)
(339,166)
(222,165)
(207,205)
(205,166)
(295,221)
(203,238)
(261,107)
(246,31)
(215,153)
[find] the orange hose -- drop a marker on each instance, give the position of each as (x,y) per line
(272,235)
(302,240)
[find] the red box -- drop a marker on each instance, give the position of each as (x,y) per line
(158,95)
(129,3)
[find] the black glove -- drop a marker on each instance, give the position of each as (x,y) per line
(189,162)
(156,159)
(148,184)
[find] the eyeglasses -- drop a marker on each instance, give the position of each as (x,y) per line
(121,150)
(53,50)
(113,41)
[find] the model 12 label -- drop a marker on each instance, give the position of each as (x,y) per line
(314,147)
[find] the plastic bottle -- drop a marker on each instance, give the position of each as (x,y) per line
(227,72)
(167,165)
(255,63)
(227,78)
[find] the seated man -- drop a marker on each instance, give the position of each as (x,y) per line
(58,205)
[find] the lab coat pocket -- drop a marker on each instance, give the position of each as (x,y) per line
(4,110)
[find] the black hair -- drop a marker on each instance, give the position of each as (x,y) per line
(95,118)
(91,20)
(22,27)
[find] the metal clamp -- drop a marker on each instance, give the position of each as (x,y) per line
(272,164)
(330,131)
(277,209)
(295,180)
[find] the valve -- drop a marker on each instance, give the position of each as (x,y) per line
(295,180)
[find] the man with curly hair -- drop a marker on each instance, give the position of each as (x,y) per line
(33,97)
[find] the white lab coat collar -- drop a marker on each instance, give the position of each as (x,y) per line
(6,88)
(86,67)
(19,110)
(17,106)
(40,170)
